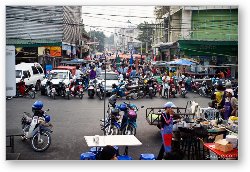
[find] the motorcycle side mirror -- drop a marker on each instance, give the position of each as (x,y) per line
(47,110)
(142,106)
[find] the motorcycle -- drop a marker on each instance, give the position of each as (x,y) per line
(128,124)
(195,86)
(120,92)
(76,88)
(23,90)
(51,90)
(100,91)
(206,90)
(91,88)
(112,123)
(183,91)
(149,88)
(172,90)
(37,130)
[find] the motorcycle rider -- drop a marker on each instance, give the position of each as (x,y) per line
(37,111)
(181,81)
(37,108)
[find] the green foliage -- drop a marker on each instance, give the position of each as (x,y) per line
(146,32)
(97,36)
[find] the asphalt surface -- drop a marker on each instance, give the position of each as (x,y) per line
(73,119)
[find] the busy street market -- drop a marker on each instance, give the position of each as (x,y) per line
(141,93)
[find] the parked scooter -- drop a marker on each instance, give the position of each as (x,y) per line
(37,128)
(128,125)
(23,90)
(112,122)
(206,90)
(120,92)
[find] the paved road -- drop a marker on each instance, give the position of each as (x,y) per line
(75,118)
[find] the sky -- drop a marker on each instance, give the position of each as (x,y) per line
(105,19)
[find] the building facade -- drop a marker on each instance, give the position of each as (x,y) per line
(46,34)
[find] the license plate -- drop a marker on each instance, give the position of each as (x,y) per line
(173,89)
(81,89)
(53,90)
(67,89)
(97,89)
(183,89)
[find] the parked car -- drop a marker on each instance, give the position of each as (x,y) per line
(57,77)
(32,73)
(111,78)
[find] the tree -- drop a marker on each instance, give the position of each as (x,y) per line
(145,35)
(97,36)
(160,11)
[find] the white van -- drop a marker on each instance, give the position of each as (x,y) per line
(32,72)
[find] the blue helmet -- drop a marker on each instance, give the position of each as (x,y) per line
(47,118)
(169,105)
(123,107)
(38,105)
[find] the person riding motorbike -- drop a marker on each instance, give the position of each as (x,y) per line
(181,82)
(37,108)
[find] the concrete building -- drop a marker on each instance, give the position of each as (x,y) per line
(46,34)
(125,38)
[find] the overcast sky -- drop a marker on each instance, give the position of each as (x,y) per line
(91,18)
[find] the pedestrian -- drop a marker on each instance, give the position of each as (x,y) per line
(166,127)
(108,153)
(230,105)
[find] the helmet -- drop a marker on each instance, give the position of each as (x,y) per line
(38,105)
(112,99)
(228,85)
(123,107)
(169,105)
(47,118)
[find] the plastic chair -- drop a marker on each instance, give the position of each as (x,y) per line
(124,157)
(88,156)
(147,156)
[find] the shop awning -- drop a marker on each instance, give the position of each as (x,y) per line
(32,42)
(208,48)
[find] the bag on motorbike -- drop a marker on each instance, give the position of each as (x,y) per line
(132,114)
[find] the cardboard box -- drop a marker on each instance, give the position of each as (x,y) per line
(223,145)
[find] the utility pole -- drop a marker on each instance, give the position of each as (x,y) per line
(80,40)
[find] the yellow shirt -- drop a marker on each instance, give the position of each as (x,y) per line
(219,96)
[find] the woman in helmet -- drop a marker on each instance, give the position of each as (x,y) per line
(37,108)
(166,127)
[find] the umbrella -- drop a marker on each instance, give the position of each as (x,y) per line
(182,62)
